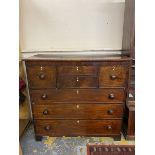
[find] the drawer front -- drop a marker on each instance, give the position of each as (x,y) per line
(78,111)
(77,95)
(113,76)
(77,70)
(77,82)
(41,77)
(77,127)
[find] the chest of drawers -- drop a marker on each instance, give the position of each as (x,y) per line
(77,97)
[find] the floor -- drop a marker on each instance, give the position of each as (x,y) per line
(63,145)
(24,116)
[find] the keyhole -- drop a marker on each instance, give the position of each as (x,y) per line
(113,68)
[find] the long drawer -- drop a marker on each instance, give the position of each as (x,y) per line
(77,127)
(48,96)
(77,111)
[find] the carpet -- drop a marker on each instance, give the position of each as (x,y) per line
(110,150)
(63,145)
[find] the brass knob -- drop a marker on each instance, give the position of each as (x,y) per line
(77,79)
(42,76)
(78,121)
(47,127)
(110,111)
(109,127)
(45,112)
(111,96)
(113,77)
(77,68)
(44,96)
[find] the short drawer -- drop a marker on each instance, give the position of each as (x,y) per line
(77,127)
(77,82)
(77,70)
(41,76)
(78,111)
(48,96)
(113,76)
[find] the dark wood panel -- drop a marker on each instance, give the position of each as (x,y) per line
(48,96)
(113,76)
(77,127)
(78,111)
(41,76)
(77,70)
(77,82)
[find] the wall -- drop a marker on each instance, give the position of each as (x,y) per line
(56,25)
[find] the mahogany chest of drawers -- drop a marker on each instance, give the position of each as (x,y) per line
(78,97)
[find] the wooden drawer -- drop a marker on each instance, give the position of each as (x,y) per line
(78,111)
(48,96)
(77,127)
(113,76)
(41,76)
(77,70)
(77,82)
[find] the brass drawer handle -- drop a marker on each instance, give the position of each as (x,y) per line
(111,96)
(42,76)
(44,96)
(113,77)
(47,127)
(109,127)
(77,79)
(110,112)
(45,112)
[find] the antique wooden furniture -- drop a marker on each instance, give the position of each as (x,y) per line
(78,95)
